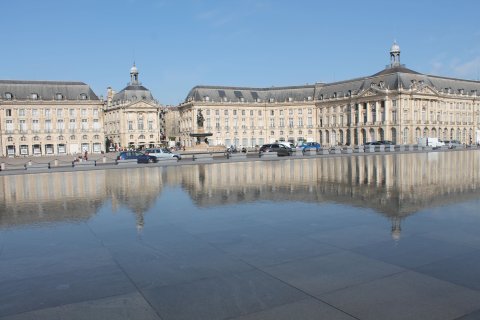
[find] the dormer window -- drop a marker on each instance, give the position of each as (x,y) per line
(309,98)
(206,98)
(8,96)
(271,100)
(58,96)
(290,99)
(83,96)
(334,94)
(321,97)
(34,96)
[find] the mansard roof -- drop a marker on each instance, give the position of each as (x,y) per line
(133,93)
(45,90)
(248,94)
(394,79)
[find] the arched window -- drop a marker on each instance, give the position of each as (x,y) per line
(96,137)
(72,137)
(84,137)
(23,138)
(36,138)
(9,139)
(141,137)
(61,138)
(8,96)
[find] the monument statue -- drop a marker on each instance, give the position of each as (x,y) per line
(200,118)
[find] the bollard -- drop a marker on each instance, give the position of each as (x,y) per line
(55,163)
(95,163)
(2,166)
(49,165)
(104,159)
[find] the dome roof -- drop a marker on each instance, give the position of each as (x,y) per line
(395,47)
(134,69)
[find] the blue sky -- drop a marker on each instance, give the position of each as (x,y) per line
(179,44)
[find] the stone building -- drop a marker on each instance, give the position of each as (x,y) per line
(49,118)
(397,104)
(133,117)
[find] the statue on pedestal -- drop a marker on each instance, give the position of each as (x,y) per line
(200,118)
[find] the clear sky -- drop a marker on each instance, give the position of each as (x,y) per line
(178,44)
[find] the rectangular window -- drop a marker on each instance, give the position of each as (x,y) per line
(84,112)
(9,126)
(59,113)
(23,126)
(35,125)
(47,113)
(150,124)
(60,124)
(84,124)
(72,125)
(21,112)
(72,113)
(272,122)
(95,113)
(130,125)
(48,125)
(290,122)
(34,112)
(140,124)
(96,124)
(8,112)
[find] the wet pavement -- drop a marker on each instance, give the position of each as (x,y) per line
(371,237)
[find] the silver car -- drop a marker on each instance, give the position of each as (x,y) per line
(162,153)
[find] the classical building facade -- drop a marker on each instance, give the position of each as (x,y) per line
(396,104)
(133,118)
(49,118)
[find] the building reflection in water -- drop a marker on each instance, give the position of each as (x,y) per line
(395,186)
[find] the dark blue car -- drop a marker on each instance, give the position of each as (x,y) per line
(310,146)
(139,156)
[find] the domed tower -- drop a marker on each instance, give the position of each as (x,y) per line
(134,75)
(395,55)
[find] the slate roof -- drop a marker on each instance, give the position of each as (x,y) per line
(46,90)
(246,94)
(392,78)
(133,93)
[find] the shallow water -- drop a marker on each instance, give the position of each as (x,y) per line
(246,240)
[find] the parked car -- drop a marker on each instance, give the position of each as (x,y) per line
(280,149)
(452,144)
(287,144)
(162,153)
(386,142)
(310,146)
(379,143)
(139,156)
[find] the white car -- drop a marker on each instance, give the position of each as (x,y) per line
(162,153)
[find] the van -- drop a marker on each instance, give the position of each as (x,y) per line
(430,142)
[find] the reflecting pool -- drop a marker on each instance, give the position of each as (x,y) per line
(349,237)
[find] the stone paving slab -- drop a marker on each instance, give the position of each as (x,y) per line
(309,309)
(123,307)
(407,295)
(18,296)
(331,272)
(221,297)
